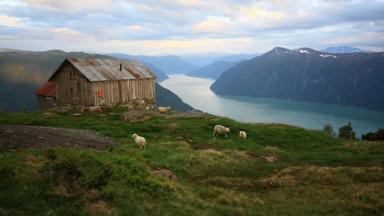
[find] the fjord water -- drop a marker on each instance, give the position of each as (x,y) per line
(196,92)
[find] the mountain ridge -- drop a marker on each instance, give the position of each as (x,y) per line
(203,60)
(309,75)
(212,71)
(170,64)
(343,49)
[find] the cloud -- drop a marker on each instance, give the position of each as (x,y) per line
(214,24)
(366,38)
(9,21)
(67,34)
(186,26)
(71,6)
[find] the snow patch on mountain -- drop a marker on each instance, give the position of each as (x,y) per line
(327,56)
(304,51)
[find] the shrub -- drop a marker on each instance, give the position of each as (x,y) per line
(347,132)
(174,126)
(328,129)
(374,136)
(63,171)
(138,178)
(94,174)
(77,173)
(50,154)
(7,173)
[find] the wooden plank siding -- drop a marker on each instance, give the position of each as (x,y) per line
(73,88)
(122,91)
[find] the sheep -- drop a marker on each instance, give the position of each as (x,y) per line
(139,140)
(242,135)
(220,129)
(164,109)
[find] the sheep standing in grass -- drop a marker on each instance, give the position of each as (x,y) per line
(221,130)
(242,135)
(139,140)
(164,109)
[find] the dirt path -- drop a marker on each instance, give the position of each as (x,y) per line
(14,137)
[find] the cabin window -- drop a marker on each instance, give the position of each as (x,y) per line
(78,87)
(71,92)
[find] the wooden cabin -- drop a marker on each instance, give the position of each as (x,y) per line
(91,82)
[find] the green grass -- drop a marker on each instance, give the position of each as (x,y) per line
(314,174)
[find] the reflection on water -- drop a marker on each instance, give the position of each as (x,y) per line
(196,92)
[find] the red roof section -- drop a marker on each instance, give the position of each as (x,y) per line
(48,89)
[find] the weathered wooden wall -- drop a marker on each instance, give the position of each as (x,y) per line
(123,91)
(72,87)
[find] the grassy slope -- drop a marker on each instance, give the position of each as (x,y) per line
(314,175)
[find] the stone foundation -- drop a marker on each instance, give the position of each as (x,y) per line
(138,104)
(46,102)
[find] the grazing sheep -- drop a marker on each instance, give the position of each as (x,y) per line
(164,109)
(242,135)
(220,129)
(139,140)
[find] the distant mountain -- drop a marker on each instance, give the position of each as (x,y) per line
(160,75)
(309,75)
(10,50)
(203,60)
(169,64)
(237,57)
(343,49)
(22,72)
(212,71)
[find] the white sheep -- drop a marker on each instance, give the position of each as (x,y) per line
(242,135)
(139,140)
(220,129)
(164,109)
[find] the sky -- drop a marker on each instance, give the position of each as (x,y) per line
(159,27)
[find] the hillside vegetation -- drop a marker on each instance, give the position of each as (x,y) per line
(277,170)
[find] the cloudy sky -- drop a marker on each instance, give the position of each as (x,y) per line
(189,26)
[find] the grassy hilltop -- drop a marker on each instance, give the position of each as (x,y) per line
(277,170)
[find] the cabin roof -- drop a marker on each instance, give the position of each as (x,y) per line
(97,69)
(47,90)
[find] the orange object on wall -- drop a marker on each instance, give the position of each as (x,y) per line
(100,93)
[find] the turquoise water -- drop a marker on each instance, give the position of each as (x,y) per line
(196,92)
